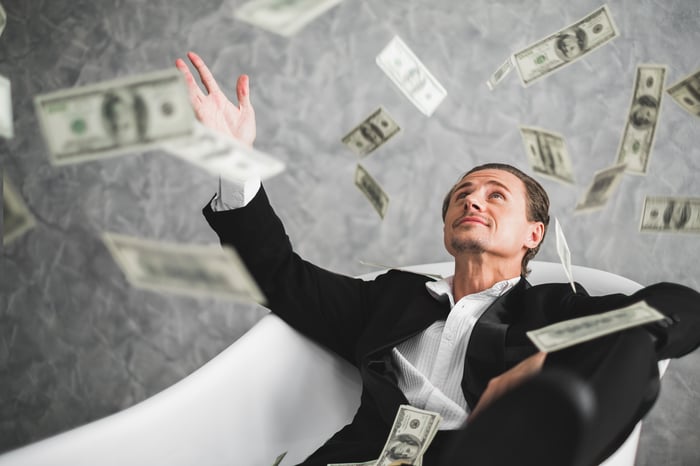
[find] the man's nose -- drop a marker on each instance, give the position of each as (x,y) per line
(472,203)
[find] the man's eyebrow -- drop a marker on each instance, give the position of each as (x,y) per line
(467,184)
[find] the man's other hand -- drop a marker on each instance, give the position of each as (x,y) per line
(214,109)
(509,379)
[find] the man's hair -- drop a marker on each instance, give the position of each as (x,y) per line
(537,203)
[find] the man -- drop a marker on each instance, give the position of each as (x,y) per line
(571,44)
(458,346)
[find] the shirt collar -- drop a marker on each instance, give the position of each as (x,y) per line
(442,289)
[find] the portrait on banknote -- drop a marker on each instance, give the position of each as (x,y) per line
(644,112)
(124,116)
(405,447)
(571,43)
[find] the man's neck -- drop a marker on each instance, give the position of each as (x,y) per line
(475,274)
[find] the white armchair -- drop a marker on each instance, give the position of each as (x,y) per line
(271,391)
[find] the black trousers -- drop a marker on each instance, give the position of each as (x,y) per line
(577,411)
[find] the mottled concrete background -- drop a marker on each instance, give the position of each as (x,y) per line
(77,342)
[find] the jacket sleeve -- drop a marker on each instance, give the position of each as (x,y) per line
(329,308)
(675,336)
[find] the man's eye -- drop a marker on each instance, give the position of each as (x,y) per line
(461,195)
(497,195)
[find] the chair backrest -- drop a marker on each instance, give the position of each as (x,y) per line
(271,391)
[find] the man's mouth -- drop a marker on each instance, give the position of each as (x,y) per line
(471,218)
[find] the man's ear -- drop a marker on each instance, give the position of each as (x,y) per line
(535,235)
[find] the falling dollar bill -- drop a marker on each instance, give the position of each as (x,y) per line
(566,46)
(223,156)
(197,270)
(410,75)
(638,135)
(574,331)
(366,463)
(547,154)
(283,17)
(500,74)
(410,436)
(16,218)
(377,197)
(6,125)
(686,93)
(114,117)
(3,19)
(671,215)
(564,253)
(279,459)
(374,131)
(601,188)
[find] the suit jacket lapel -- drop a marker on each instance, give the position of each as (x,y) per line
(487,351)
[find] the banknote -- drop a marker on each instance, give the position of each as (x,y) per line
(283,17)
(671,215)
(564,253)
(374,131)
(574,331)
(638,135)
(6,125)
(686,93)
(16,217)
(566,46)
(3,19)
(500,74)
(547,154)
(411,76)
(366,463)
(223,156)
(410,436)
(601,188)
(377,197)
(113,117)
(279,459)
(191,269)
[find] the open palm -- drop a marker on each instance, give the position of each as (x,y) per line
(214,109)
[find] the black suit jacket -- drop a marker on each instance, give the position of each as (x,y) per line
(363,320)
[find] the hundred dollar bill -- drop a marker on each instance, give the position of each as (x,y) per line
(500,74)
(366,463)
(197,270)
(114,117)
(566,46)
(279,459)
(410,436)
(671,215)
(374,131)
(564,253)
(638,136)
(604,183)
(686,93)
(3,19)
(547,154)
(572,332)
(16,218)
(223,156)
(410,75)
(6,125)
(371,189)
(283,17)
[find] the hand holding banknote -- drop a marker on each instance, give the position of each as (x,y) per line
(214,109)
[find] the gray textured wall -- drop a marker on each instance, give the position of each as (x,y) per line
(77,343)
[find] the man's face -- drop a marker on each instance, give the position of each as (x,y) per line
(487,216)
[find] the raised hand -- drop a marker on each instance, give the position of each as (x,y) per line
(214,109)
